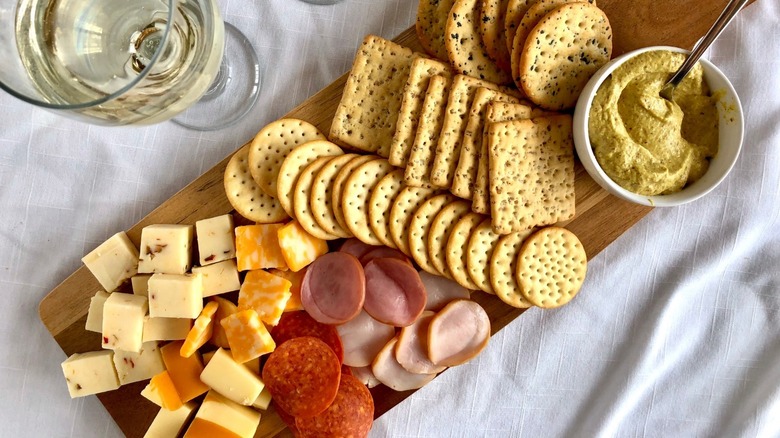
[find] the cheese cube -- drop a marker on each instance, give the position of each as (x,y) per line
(162,392)
(140,284)
(113,262)
(266,293)
(169,424)
(257,247)
(221,417)
(201,330)
(295,279)
(263,400)
(215,239)
(247,336)
(153,396)
(218,278)
(123,322)
(175,296)
(133,367)
(299,248)
(184,371)
(95,314)
(166,329)
(165,249)
(225,309)
(90,373)
(252,365)
(231,379)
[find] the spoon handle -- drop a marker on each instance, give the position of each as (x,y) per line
(723,20)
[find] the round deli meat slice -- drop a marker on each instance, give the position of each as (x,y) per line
(383,252)
(299,323)
(350,415)
(366,376)
(362,338)
(458,333)
(441,291)
(411,350)
(334,288)
(356,247)
(391,374)
(395,294)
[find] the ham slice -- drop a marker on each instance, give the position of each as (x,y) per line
(334,288)
(388,371)
(411,350)
(458,333)
(395,294)
(441,291)
(362,338)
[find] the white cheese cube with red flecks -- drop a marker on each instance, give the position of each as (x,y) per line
(231,379)
(95,313)
(113,262)
(166,329)
(123,322)
(215,239)
(90,373)
(133,367)
(170,423)
(218,278)
(140,284)
(165,249)
(175,296)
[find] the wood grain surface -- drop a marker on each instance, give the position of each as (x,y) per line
(601,218)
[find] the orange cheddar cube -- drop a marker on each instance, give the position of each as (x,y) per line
(299,248)
(266,293)
(161,387)
(201,330)
(247,335)
(257,247)
(184,371)
(225,308)
(219,417)
(295,279)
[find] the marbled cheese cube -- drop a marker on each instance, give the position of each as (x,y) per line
(123,322)
(257,247)
(247,335)
(266,293)
(231,379)
(175,296)
(299,248)
(219,413)
(218,278)
(215,239)
(165,249)
(169,424)
(166,329)
(113,262)
(95,314)
(201,330)
(140,284)
(133,367)
(90,373)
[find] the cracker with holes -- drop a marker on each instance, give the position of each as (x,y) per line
(465,49)
(420,162)
(420,74)
(356,196)
(439,233)
(420,226)
(368,112)
(406,203)
(245,195)
(339,183)
(479,250)
(534,183)
(292,166)
(381,202)
(431,20)
(457,249)
(515,10)
(322,206)
(491,29)
(551,267)
(503,265)
(302,200)
(271,145)
(562,52)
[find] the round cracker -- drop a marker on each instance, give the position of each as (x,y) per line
(302,200)
(562,52)
(245,195)
(355,199)
(271,145)
(480,248)
(300,157)
(551,267)
(503,265)
(439,233)
(406,203)
(322,206)
(381,202)
(338,185)
(420,226)
(457,248)
(431,21)
(515,10)
(491,28)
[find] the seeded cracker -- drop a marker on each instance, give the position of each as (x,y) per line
(245,195)
(381,202)
(440,231)
(422,70)
(534,183)
(322,206)
(293,165)
(356,196)
(491,28)
(562,52)
(478,253)
(302,199)
(368,112)
(420,226)
(431,20)
(418,167)
(515,10)
(503,265)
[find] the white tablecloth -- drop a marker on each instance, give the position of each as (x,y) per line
(676,332)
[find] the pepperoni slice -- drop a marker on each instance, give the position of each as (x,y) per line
(350,415)
(298,324)
(356,247)
(303,376)
(395,294)
(288,419)
(334,288)
(383,252)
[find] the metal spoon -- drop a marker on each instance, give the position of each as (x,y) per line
(728,14)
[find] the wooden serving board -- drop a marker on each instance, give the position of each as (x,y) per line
(600,218)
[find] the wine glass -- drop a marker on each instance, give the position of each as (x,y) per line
(119,62)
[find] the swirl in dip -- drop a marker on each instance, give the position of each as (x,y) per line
(645,143)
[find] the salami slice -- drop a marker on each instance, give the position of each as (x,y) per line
(303,376)
(298,324)
(356,247)
(395,294)
(383,252)
(334,288)
(350,415)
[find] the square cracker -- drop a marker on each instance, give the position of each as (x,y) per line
(466,172)
(368,112)
(418,168)
(422,70)
(534,183)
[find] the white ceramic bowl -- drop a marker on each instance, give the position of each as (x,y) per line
(731,130)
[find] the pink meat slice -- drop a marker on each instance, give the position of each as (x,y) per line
(388,371)
(334,288)
(441,291)
(356,247)
(383,252)
(362,338)
(365,375)
(411,350)
(458,333)
(395,294)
